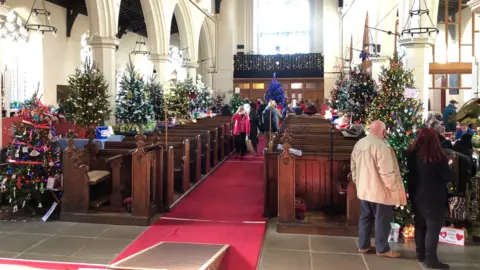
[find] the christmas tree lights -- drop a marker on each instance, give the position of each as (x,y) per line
(88,100)
(403,118)
(275,92)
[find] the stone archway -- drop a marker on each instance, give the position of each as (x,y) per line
(186,33)
(206,53)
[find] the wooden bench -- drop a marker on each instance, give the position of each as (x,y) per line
(137,167)
(319,177)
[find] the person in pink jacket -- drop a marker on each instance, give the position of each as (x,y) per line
(376,173)
(240,130)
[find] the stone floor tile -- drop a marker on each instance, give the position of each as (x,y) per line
(11,226)
(333,244)
(273,259)
(123,232)
(84,230)
(18,243)
(60,246)
(102,248)
(9,255)
(325,261)
(377,263)
(40,227)
(43,257)
(276,240)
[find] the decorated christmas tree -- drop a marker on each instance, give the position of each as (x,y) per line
(177,98)
(155,91)
(133,107)
(361,91)
(87,103)
(275,92)
(235,102)
(204,96)
(33,157)
(338,96)
(402,116)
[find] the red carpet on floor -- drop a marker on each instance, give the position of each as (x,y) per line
(245,240)
(225,209)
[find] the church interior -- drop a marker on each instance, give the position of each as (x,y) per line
(221,134)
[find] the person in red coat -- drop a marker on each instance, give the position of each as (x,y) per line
(240,130)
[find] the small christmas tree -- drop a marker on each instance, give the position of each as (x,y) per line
(235,102)
(204,97)
(338,96)
(275,92)
(133,108)
(87,104)
(33,157)
(155,91)
(361,91)
(177,98)
(402,116)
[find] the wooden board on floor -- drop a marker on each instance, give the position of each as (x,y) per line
(174,256)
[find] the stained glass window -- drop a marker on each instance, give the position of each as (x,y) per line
(283,26)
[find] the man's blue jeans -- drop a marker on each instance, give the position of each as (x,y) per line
(378,216)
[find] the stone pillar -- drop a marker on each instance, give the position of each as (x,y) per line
(192,70)
(103,52)
(475,7)
(331,45)
(160,64)
(377,63)
(417,58)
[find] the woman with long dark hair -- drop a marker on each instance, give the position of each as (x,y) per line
(429,173)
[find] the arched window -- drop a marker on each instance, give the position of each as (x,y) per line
(283,26)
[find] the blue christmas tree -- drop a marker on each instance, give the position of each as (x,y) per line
(275,92)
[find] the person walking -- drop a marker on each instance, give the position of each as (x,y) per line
(376,173)
(240,131)
(449,120)
(428,175)
(254,123)
(270,119)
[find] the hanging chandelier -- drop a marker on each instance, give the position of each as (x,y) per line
(12,26)
(419,14)
(140,47)
(43,24)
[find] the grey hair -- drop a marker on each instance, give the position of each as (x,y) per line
(440,129)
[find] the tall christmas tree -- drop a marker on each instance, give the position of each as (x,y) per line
(338,96)
(275,92)
(204,96)
(133,108)
(33,157)
(177,98)
(87,103)
(155,91)
(361,91)
(235,102)
(402,116)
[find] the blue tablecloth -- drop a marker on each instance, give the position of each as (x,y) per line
(80,143)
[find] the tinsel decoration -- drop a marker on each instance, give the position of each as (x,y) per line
(177,97)
(155,92)
(361,91)
(236,101)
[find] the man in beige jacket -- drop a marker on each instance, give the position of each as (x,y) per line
(376,174)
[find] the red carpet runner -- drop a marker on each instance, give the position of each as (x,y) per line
(225,209)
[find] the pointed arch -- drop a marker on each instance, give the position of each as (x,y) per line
(103,17)
(156,26)
(185,29)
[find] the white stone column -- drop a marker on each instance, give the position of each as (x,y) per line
(103,52)
(417,59)
(192,70)
(160,64)
(475,7)
(377,63)
(332,44)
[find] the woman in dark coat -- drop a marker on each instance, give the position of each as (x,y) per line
(254,124)
(446,144)
(464,145)
(429,173)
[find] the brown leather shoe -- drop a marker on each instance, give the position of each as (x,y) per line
(390,254)
(367,251)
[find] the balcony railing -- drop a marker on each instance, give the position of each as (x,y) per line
(284,65)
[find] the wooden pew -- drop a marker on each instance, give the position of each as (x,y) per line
(142,170)
(319,176)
